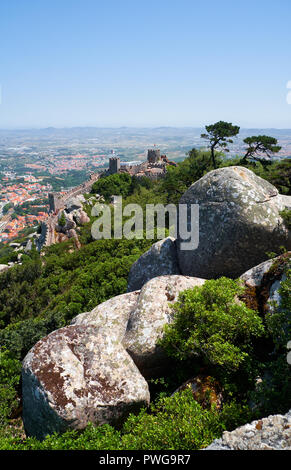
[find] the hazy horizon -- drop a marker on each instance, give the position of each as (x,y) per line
(133,127)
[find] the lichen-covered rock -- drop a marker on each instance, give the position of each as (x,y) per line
(112,314)
(159,260)
(239,222)
(286,201)
(152,313)
(76,375)
(205,390)
(263,282)
(271,433)
(254,276)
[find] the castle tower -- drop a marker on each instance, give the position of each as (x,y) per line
(114,165)
(55,202)
(154,155)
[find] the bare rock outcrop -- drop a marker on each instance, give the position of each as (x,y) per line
(271,433)
(74,203)
(81,217)
(76,375)
(68,223)
(263,282)
(239,221)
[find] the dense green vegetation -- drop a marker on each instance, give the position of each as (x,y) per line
(211,332)
(210,324)
(119,185)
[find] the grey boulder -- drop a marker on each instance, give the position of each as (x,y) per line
(81,217)
(112,314)
(69,222)
(239,221)
(3,268)
(137,319)
(76,375)
(73,203)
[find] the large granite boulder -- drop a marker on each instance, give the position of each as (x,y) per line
(160,259)
(112,314)
(76,375)
(146,324)
(239,222)
(271,433)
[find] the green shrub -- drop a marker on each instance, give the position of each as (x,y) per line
(211,324)
(62,220)
(9,380)
(38,297)
(286,215)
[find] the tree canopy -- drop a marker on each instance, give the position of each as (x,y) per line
(260,148)
(218,135)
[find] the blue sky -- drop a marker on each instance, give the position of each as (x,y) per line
(144,63)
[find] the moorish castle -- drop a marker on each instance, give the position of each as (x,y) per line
(154,167)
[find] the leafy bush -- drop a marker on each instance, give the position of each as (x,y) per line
(210,323)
